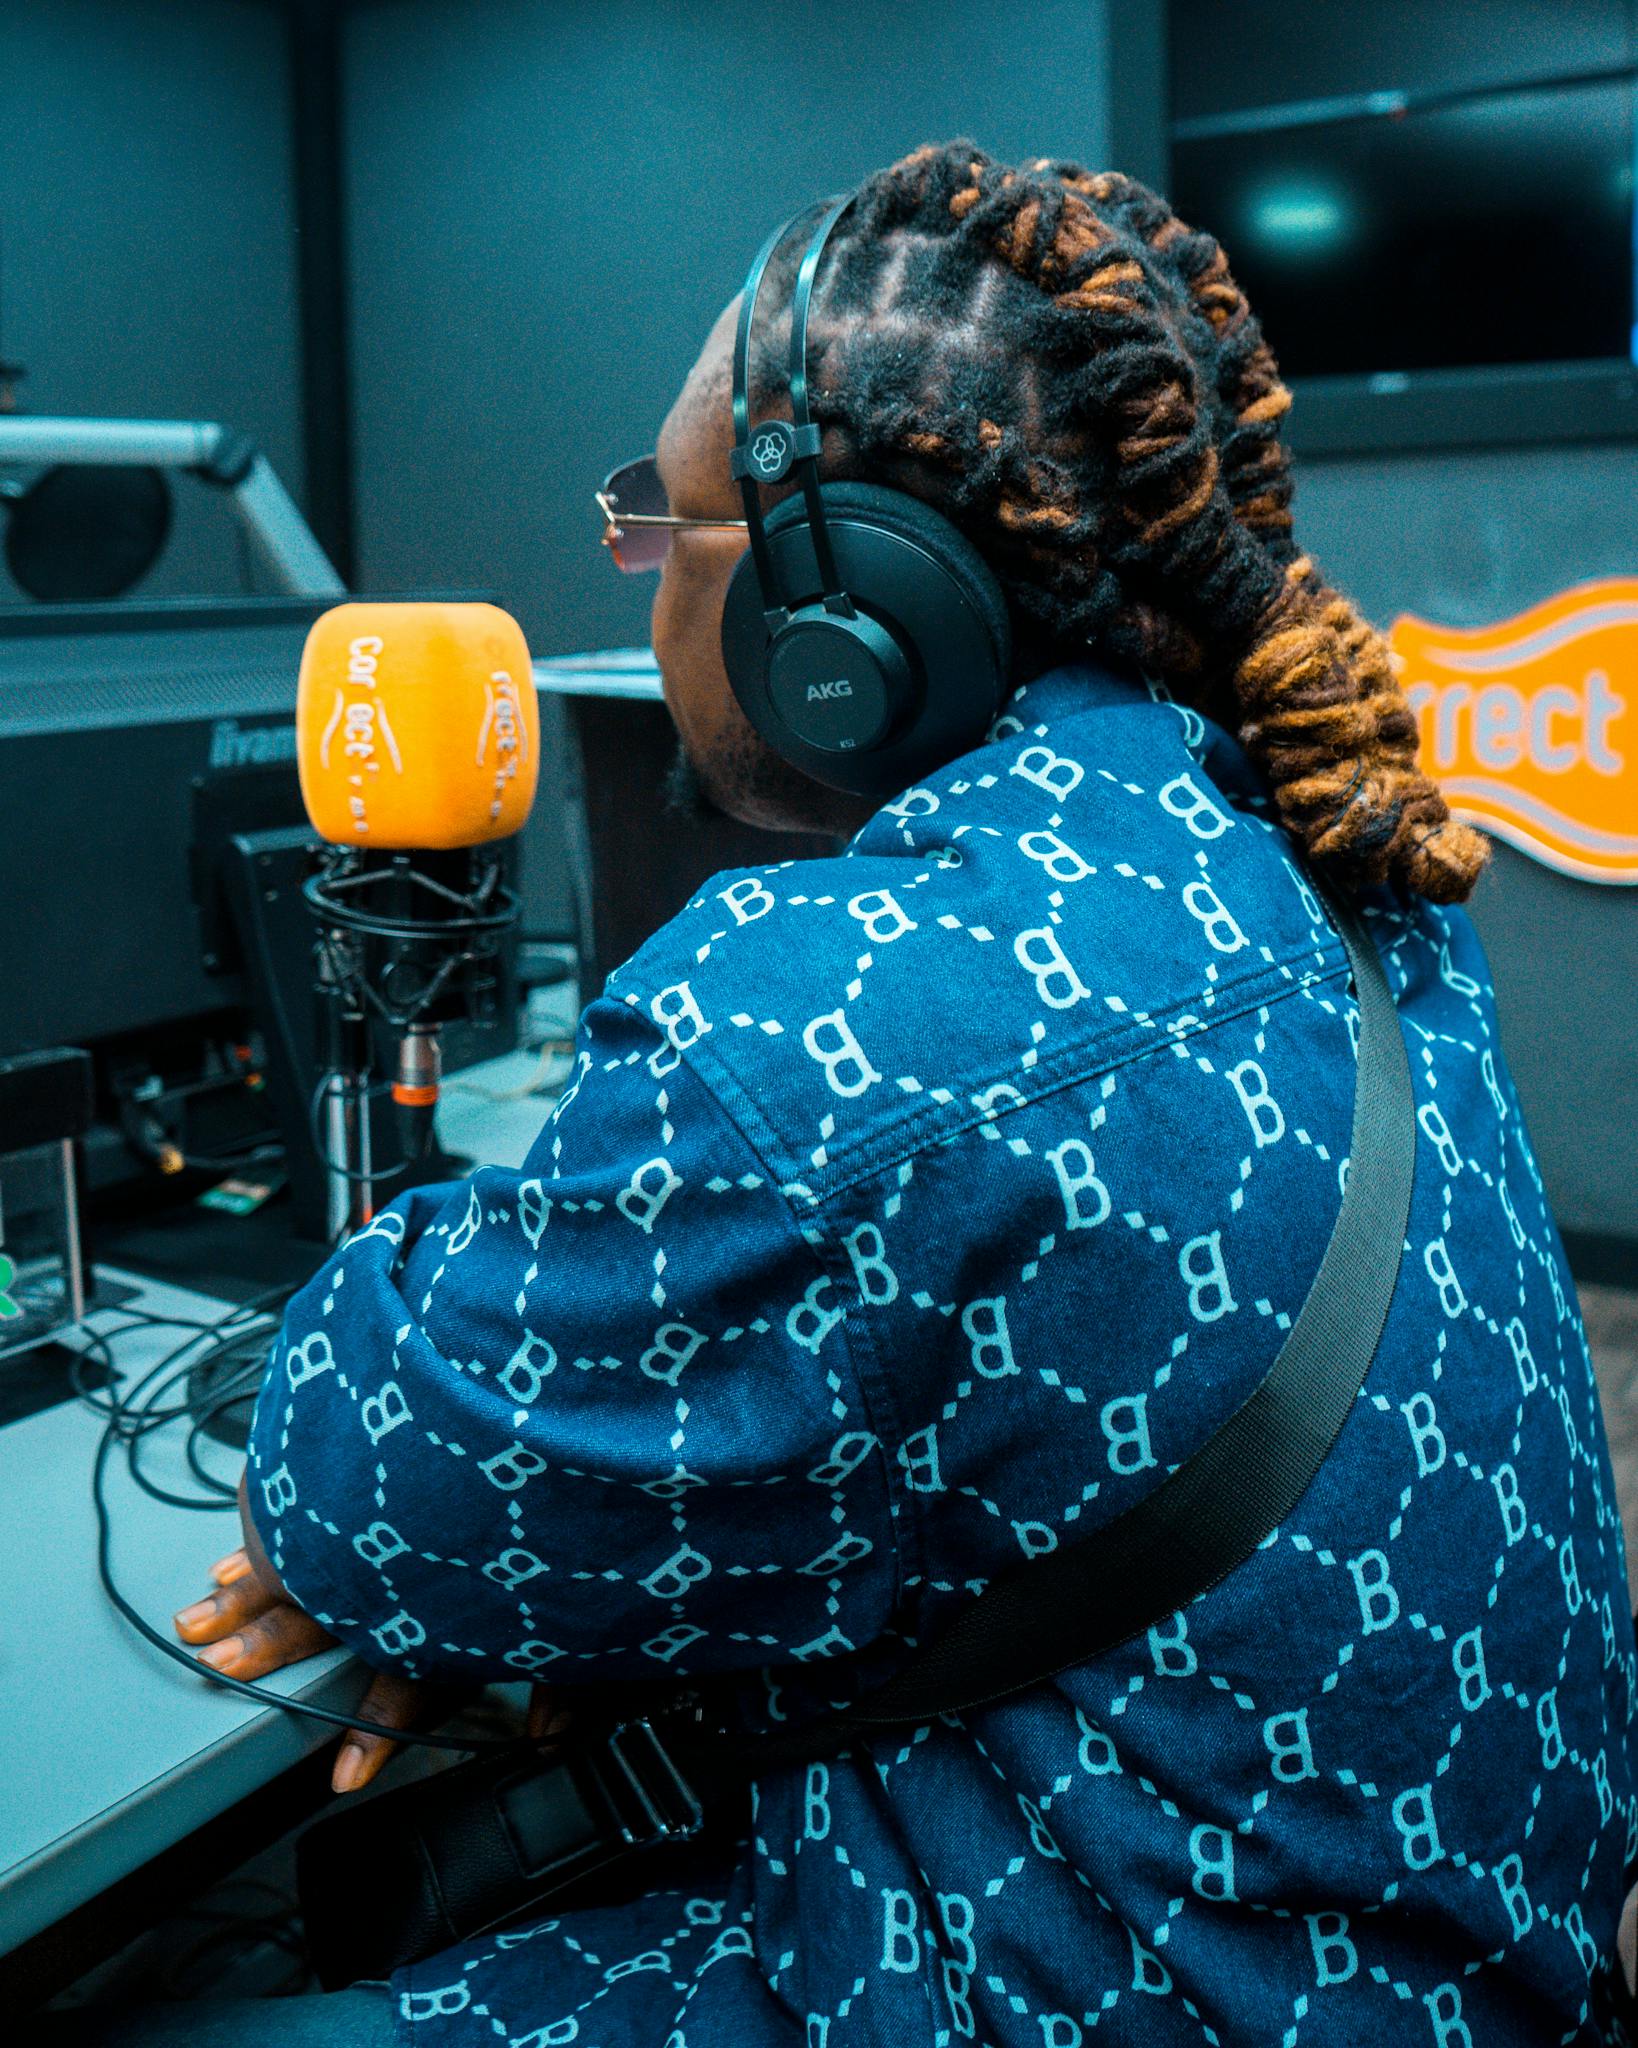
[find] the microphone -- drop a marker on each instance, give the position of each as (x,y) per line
(418,749)
(416,726)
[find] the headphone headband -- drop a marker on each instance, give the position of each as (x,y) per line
(863,637)
(769,451)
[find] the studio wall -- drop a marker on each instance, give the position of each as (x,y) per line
(146,239)
(549,204)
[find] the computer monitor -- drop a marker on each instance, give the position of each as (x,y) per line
(115,721)
(1431,209)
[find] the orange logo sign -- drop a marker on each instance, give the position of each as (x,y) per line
(1530,727)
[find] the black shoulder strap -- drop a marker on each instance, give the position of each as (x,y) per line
(1212,1512)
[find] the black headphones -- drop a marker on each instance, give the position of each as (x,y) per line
(864,637)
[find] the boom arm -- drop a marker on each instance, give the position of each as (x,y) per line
(269,515)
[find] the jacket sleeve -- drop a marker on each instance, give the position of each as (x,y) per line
(592,1419)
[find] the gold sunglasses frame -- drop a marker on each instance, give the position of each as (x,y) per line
(613,521)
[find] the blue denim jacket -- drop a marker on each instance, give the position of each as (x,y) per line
(910,1214)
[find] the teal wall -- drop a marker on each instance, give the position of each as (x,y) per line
(147,260)
(551,202)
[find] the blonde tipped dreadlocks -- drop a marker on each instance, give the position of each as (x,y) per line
(1072,375)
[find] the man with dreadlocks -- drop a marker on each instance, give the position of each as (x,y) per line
(910,1214)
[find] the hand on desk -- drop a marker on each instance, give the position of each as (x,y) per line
(250,1626)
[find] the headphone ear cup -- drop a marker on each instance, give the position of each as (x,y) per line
(919,523)
(904,565)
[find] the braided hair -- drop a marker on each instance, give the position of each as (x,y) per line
(1073,377)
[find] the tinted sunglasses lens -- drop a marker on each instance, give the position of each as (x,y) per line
(635,489)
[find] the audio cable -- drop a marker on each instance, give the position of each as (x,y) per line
(152,1403)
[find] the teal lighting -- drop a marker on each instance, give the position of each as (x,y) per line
(1305,216)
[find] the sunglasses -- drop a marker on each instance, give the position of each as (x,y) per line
(637,525)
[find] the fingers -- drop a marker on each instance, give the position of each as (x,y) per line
(246,1585)
(391,1702)
(264,1642)
(230,1607)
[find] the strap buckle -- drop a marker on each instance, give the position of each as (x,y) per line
(655,1802)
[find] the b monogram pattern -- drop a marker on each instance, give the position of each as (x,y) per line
(913,1213)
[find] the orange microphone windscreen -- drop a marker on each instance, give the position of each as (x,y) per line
(417,726)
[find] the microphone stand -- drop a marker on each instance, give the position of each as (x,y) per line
(344,1033)
(411,940)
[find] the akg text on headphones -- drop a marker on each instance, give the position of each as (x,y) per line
(864,637)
